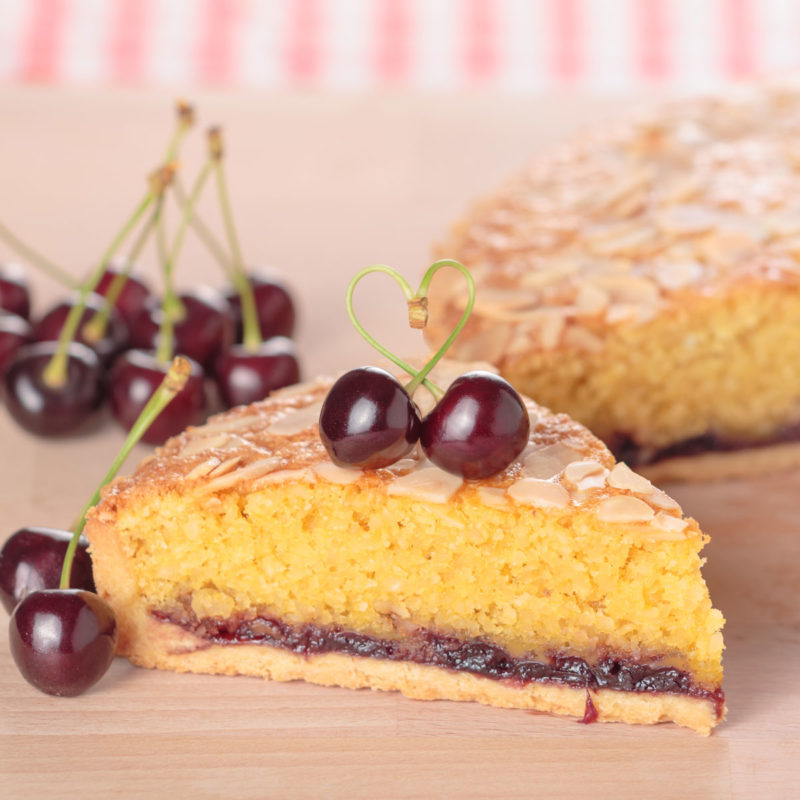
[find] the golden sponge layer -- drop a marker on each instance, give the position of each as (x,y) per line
(532,582)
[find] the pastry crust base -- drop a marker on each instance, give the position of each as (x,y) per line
(149,642)
(717,466)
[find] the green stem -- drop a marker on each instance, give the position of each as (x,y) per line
(408,292)
(172,308)
(252,330)
(36,259)
(95,328)
(55,373)
(173,382)
(422,292)
(205,234)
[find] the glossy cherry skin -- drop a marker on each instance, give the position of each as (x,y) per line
(274,306)
(368,420)
(132,298)
(31,559)
(115,339)
(244,376)
(14,332)
(14,294)
(62,640)
(478,428)
(205,331)
(135,376)
(52,410)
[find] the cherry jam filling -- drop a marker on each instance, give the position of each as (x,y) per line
(431,648)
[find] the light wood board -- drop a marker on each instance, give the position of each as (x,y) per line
(325,185)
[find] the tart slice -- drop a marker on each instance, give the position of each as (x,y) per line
(566,583)
(644,278)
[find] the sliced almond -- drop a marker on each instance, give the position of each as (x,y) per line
(585,475)
(673,275)
(333,473)
(203,468)
(549,461)
(535,492)
(661,499)
(669,523)
(591,299)
(429,484)
(623,477)
(201,443)
(296,420)
(225,466)
(624,508)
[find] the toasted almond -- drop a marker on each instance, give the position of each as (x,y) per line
(225,466)
(203,468)
(201,443)
(586,475)
(429,484)
(296,420)
(669,523)
(661,499)
(623,477)
(624,508)
(535,492)
(333,473)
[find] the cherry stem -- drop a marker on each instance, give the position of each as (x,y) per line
(418,316)
(205,234)
(172,307)
(175,379)
(410,296)
(251,328)
(95,328)
(36,259)
(55,373)
(422,294)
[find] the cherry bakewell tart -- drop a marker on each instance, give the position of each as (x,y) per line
(645,280)
(565,583)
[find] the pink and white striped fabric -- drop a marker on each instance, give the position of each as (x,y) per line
(509,45)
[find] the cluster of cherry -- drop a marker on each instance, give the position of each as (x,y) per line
(114,339)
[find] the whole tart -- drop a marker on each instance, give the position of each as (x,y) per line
(645,279)
(566,584)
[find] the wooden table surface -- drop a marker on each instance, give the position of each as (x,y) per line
(324,185)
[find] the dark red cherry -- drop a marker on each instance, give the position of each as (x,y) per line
(31,559)
(274,306)
(50,410)
(204,332)
(62,640)
(14,332)
(134,378)
(14,294)
(114,340)
(368,420)
(131,299)
(478,428)
(244,376)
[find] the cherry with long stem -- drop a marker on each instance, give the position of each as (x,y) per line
(63,640)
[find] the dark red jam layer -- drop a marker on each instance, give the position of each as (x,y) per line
(428,647)
(626,448)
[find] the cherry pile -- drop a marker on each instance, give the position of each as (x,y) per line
(62,635)
(369,419)
(111,342)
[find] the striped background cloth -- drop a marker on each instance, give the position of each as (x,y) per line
(508,45)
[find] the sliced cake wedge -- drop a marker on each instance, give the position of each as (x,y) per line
(566,583)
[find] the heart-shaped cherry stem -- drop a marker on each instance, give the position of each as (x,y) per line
(15,296)
(47,410)
(135,376)
(245,375)
(32,558)
(109,341)
(368,420)
(14,332)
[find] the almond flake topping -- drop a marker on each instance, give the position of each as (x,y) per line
(623,477)
(428,484)
(585,475)
(535,492)
(624,508)
(333,473)
(296,420)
